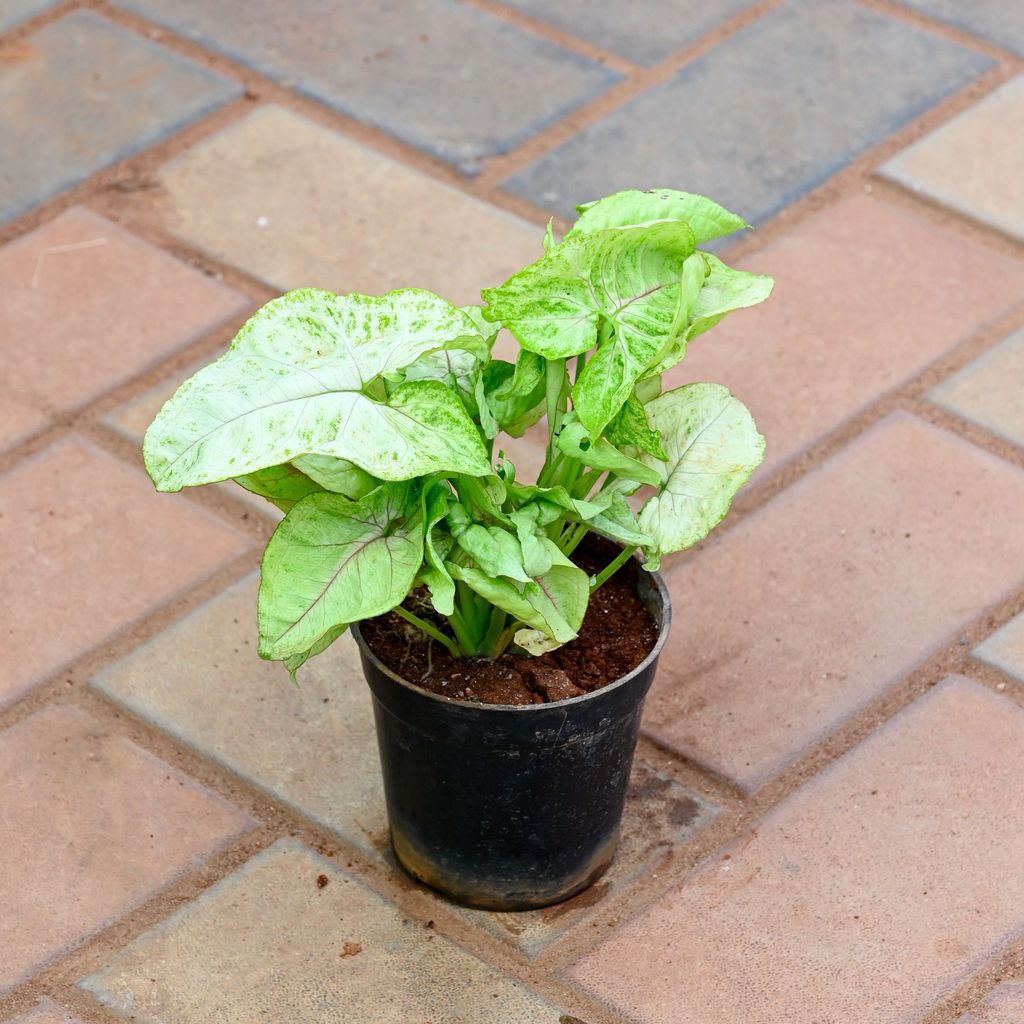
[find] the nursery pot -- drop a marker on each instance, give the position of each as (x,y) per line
(504,807)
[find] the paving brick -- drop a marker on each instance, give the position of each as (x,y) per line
(997,21)
(85,266)
(314,747)
(236,196)
(46,1012)
(16,11)
(92,827)
(440,75)
(90,548)
(756,129)
(1004,1006)
(1004,649)
(974,163)
(309,954)
(868,895)
(659,815)
(82,93)
(131,420)
(871,562)
(987,392)
(643,31)
(816,352)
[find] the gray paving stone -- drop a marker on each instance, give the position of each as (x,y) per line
(85,93)
(270,943)
(436,73)
(13,12)
(313,747)
(999,21)
(643,31)
(769,114)
(988,391)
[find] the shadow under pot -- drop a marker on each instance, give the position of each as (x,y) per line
(504,807)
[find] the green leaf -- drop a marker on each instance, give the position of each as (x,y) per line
(537,559)
(300,380)
(332,561)
(515,394)
(641,290)
(631,427)
(618,523)
(574,441)
(280,485)
(723,290)
(549,236)
(554,603)
(706,218)
(628,276)
(296,661)
(494,549)
(436,502)
(338,475)
(713,446)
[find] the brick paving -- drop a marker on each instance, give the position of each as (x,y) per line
(824,819)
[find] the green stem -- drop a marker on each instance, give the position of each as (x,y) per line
(576,536)
(610,570)
(432,631)
(494,631)
(504,640)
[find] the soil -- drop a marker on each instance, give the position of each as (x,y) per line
(618,632)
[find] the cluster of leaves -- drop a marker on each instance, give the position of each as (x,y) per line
(372,423)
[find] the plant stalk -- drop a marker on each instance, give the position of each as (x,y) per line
(432,631)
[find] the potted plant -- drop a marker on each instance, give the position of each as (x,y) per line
(507,714)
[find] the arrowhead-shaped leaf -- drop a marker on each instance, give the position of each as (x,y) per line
(723,290)
(706,218)
(713,446)
(626,276)
(332,561)
(303,377)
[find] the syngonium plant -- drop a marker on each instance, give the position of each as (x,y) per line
(373,423)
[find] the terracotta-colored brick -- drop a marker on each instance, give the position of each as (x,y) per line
(297,204)
(46,1012)
(860,305)
(975,163)
(133,418)
(92,826)
(89,548)
(988,390)
(1005,648)
(99,306)
(270,943)
(867,896)
(816,604)
(313,746)
(1004,1006)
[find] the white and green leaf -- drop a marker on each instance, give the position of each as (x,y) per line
(332,562)
(632,208)
(338,475)
(303,378)
(713,446)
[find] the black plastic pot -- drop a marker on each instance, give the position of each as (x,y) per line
(504,807)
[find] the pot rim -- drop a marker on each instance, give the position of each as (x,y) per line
(524,709)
